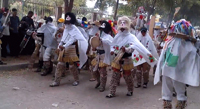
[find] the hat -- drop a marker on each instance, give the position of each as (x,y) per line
(106,27)
(70,17)
(97,23)
(143,29)
(61,20)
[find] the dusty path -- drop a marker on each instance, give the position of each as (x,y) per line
(35,93)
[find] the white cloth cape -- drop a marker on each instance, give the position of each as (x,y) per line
(49,31)
(124,38)
(148,43)
(83,32)
(107,41)
(74,32)
(183,63)
(93,30)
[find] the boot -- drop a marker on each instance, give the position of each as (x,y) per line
(103,79)
(47,68)
(139,78)
(40,65)
(181,105)
(129,93)
(129,82)
(59,71)
(74,70)
(97,76)
(167,104)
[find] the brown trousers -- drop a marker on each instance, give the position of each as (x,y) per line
(143,71)
(60,69)
(116,79)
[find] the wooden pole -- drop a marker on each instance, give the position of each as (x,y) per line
(151,26)
(115,15)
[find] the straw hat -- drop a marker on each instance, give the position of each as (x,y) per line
(61,20)
(97,23)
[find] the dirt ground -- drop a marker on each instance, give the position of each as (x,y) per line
(14,60)
(34,93)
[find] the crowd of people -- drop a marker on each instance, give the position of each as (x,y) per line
(127,48)
(13,33)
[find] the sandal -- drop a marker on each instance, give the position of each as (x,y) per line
(110,96)
(129,93)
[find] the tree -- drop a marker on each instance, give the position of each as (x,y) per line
(5,3)
(115,14)
(68,5)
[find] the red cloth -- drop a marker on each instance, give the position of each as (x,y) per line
(141,17)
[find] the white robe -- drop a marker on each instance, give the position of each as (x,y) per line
(72,33)
(148,43)
(49,31)
(83,32)
(107,41)
(179,61)
(94,29)
(126,38)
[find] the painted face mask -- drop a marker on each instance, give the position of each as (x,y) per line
(68,18)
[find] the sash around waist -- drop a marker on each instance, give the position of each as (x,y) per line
(100,52)
(126,55)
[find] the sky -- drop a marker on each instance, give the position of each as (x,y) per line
(91,3)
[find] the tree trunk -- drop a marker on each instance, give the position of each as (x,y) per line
(115,15)
(58,12)
(151,10)
(5,3)
(94,17)
(68,5)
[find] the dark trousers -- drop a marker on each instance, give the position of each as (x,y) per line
(5,42)
(14,44)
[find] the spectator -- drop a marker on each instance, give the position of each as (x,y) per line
(6,33)
(14,36)
(1,62)
(27,22)
(1,13)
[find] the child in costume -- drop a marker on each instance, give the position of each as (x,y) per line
(144,68)
(123,44)
(102,59)
(178,64)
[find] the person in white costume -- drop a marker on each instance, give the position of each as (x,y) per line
(178,64)
(49,45)
(67,50)
(102,59)
(143,69)
(123,44)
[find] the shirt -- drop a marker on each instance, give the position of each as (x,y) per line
(14,24)
(29,22)
(6,30)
